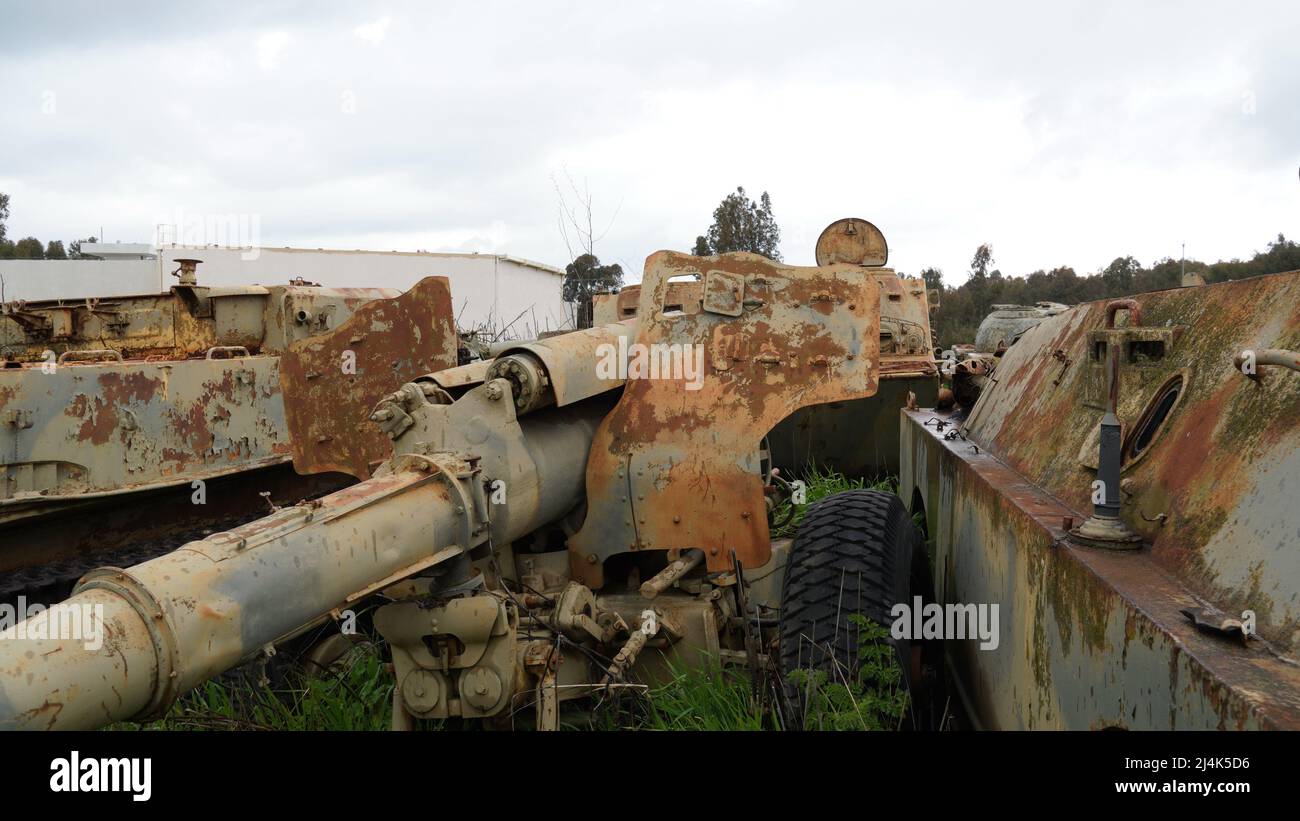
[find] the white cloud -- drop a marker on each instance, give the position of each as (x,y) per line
(374,31)
(269,48)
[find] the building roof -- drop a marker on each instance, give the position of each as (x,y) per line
(109,249)
(527,263)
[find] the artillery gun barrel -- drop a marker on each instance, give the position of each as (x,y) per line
(175,621)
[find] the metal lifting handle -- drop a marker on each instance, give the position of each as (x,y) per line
(1265,357)
(229,349)
(1130,305)
(98,353)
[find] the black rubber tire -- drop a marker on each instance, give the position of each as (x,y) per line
(853,553)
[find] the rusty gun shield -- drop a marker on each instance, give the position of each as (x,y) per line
(333,381)
(675,465)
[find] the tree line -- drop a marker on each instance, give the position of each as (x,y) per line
(961,309)
(31,247)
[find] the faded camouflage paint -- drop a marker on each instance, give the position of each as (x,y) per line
(121,427)
(1088,628)
(860,437)
(1220,467)
(186,387)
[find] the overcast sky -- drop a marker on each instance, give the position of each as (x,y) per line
(1062,133)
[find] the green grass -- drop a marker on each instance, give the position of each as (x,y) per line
(715,697)
(870,698)
(818,484)
(707,697)
(355,694)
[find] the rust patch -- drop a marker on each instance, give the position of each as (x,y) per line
(128,386)
(98,422)
(675,468)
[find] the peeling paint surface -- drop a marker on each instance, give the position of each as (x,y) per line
(1095,638)
(332,381)
(1222,470)
(672,468)
(105,397)
(117,427)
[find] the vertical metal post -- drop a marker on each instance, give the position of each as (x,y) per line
(1104,528)
(1108,460)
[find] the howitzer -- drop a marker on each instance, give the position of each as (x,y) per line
(528,503)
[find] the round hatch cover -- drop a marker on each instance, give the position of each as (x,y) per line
(854,241)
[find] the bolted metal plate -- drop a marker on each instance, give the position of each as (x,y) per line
(724,293)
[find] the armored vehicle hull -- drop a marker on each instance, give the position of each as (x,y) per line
(1183,613)
(127,421)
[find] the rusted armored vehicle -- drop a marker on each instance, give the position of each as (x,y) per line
(552,524)
(132,419)
(1124,491)
(860,437)
(969,367)
(1004,326)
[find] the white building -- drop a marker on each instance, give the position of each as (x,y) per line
(119,250)
(490,290)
